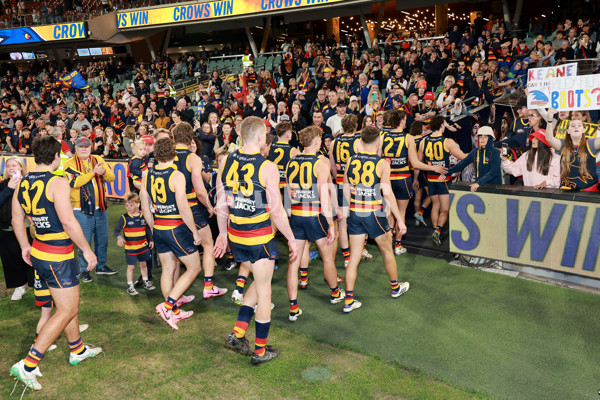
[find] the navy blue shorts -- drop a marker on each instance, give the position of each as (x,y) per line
(42,295)
(403,189)
(367,222)
(242,253)
(309,228)
(200,214)
(141,255)
(438,188)
(178,241)
(57,274)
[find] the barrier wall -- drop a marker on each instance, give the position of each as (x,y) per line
(117,189)
(549,229)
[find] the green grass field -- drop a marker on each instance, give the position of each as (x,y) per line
(458,333)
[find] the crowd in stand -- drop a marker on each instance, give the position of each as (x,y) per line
(317,82)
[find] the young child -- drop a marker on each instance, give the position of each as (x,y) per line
(137,241)
(137,165)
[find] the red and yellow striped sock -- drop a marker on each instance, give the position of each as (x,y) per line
(346,254)
(170,303)
(294,308)
(262,332)
(349,297)
(395,284)
(421,210)
(240,282)
(229,256)
(438,229)
(397,244)
(335,292)
(365,246)
(208,283)
(77,347)
(303,274)
(33,359)
(241,325)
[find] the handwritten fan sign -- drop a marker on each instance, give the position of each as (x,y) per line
(539,81)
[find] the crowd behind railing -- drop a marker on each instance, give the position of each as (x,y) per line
(460,76)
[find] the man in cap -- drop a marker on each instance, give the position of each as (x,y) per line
(87,175)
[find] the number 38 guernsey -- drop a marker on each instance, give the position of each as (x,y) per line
(246,197)
(365,188)
(51,242)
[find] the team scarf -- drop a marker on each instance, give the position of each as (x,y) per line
(87,195)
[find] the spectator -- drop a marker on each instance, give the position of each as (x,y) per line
(486,159)
(207,138)
(539,166)
(578,168)
(87,175)
(17,273)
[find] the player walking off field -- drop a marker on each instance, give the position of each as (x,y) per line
(435,149)
(190,165)
(45,199)
(312,214)
(248,200)
(173,228)
(366,184)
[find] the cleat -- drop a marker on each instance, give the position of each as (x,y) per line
(29,379)
(106,271)
(148,285)
(83,327)
(419,220)
(345,263)
(214,292)
(404,286)
(348,308)
(312,255)
(398,250)
(185,299)
(239,345)
(131,291)
(437,238)
(294,316)
(90,351)
(166,315)
(270,354)
(303,285)
(237,297)
(139,282)
(229,266)
(366,255)
(339,299)
(182,315)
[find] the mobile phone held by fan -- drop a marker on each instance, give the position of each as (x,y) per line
(505,149)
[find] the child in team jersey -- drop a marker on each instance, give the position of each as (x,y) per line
(137,165)
(137,241)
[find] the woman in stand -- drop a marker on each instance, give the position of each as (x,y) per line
(16,272)
(539,166)
(577,156)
